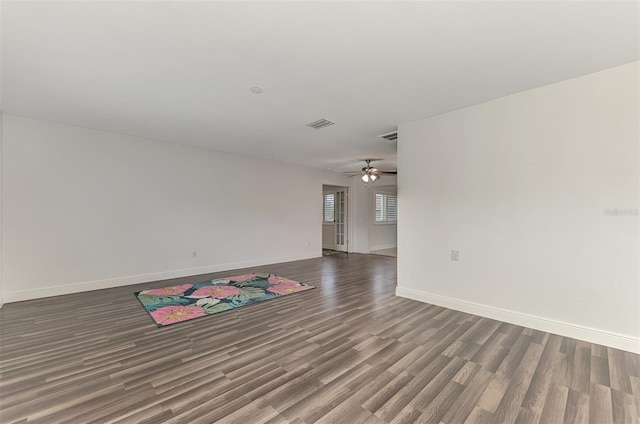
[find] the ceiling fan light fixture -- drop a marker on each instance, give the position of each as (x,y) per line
(369,174)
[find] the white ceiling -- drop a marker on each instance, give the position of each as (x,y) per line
(181,71)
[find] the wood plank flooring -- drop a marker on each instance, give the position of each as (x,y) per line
(346,352)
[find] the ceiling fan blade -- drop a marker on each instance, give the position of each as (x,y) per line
(387,172)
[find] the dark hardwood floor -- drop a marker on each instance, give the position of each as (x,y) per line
(346,352)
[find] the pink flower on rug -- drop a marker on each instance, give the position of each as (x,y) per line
(274,279)
(172,314)
(287,289)
(241,278)
(168,291)
(218,292)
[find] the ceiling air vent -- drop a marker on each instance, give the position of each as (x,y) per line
(391,136)
(320,123)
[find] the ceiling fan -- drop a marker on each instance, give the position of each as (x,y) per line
(370,174)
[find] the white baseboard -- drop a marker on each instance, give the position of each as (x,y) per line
(592,335)
(383,246)
(17,296)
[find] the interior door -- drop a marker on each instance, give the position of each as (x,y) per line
(341,221)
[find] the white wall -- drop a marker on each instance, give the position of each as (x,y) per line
(85,209)
(522,186)
(1,285)
(359,216)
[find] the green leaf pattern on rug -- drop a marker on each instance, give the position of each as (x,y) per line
(261,283)
(154,301)
(207,302)
(218,307)
(248,293)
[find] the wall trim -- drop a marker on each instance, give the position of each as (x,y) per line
(383,246)
(592,335)
(17,296)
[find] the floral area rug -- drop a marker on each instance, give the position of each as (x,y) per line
(169,305)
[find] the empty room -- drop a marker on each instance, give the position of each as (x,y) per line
(319,212)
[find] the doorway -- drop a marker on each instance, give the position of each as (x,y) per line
(335,221)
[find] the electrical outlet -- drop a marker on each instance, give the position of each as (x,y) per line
(455,255)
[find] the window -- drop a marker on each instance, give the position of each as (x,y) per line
(386,208)
(329,207)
